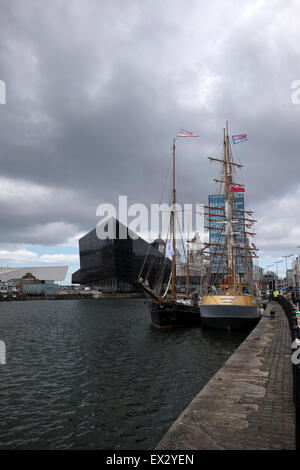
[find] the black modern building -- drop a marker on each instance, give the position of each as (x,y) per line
(114,265)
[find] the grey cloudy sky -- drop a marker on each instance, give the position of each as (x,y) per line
(97,89)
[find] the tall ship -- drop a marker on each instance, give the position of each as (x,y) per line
(230,296)
(168,308)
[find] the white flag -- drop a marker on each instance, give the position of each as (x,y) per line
(184,133)
(169,250)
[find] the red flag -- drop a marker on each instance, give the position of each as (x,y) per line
(237,190)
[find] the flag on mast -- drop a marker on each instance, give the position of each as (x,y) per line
(237,190)
(184,133)
(237,139)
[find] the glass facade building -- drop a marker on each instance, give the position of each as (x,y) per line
(113,265)
(218,264)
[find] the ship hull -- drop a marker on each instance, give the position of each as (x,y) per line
(237,314)
(174,316)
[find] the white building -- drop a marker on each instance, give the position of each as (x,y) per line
(43,273)
(197,260)
(258,273)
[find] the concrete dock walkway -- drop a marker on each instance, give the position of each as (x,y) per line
(248,404)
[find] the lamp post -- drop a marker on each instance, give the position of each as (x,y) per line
(277,263)
(269,266)
(296,276)
(286,277)
(266,279)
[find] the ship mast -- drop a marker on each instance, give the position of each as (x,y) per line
(173,228)
(187,288)
(228,210)
(230,215)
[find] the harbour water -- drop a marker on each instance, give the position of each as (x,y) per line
(94,374)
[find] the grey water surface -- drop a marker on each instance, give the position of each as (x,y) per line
(94,374)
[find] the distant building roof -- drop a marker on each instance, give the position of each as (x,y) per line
(43,273)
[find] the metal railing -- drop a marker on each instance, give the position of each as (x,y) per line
(293,317)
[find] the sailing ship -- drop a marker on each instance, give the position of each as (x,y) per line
(230,299)
(172,311)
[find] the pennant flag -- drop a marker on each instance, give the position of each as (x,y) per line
(237,190)
(169,250)
(184,133)
(237,139)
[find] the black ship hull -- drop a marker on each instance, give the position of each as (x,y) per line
(230,317)
(174,315)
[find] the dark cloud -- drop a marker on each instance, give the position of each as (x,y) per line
(96,91)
